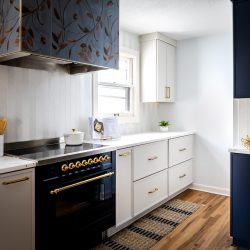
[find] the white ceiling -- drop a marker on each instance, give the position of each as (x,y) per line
(179,19)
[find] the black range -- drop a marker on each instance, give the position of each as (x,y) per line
(75,192)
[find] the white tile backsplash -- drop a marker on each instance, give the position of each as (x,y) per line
(41,104)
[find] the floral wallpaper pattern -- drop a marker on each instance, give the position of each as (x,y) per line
(9,26)
(84,31)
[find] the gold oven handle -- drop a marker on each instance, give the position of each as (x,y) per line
(57,190)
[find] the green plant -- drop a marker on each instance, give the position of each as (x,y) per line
(164,123)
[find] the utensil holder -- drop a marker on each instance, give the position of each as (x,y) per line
(1,145)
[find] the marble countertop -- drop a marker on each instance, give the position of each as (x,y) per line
(9,164)
(143,138)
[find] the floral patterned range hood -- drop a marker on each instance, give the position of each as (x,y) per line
(81,34)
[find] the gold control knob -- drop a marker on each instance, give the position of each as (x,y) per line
(106,157)
(64,167)
(71,166)
(96,160)
(101,159)
(78,164)
(84,163)
(90,161)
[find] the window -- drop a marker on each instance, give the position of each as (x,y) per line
(118,90)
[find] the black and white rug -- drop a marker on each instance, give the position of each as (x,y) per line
(145,232)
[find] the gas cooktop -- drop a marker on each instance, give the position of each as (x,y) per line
(48,151)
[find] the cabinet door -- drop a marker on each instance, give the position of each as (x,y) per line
(165,72)
(241,19)
(180,176)
(180,149)
(148,71)
(149,159)
(86,31)
(123,186)
(17,210)
(150,190)
(240,202)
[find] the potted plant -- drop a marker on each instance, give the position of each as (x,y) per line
(164,125)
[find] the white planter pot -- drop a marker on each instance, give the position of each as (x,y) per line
(163,129)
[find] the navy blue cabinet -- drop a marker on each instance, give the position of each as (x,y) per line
(241,29)
(240,200)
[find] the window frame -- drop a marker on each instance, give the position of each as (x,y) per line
(133,116)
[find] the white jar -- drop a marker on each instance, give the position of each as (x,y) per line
(1,145)
(74,138)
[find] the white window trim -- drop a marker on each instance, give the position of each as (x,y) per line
(136,86)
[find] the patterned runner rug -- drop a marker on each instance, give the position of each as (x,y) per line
(146,231)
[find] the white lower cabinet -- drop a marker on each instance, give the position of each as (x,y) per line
(150,190)
(148,174)
(180,176)
(123,186)
(17,210)
(149,159)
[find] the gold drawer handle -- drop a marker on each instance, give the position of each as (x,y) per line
(124,154)
(182,149)
(15,181)
(182,176)
(153,158)
(153,191)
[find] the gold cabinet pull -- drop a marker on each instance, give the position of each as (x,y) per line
(167,92)
(153,191)
(124,154)
(15,181)
(182,149)
(153,158)
(182,176)
(58,190)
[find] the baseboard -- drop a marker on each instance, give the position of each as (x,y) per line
(210,189)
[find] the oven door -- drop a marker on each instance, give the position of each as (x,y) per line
(75,210)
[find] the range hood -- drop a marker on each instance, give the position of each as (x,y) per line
(80,35)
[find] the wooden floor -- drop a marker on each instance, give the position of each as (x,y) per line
(208,228)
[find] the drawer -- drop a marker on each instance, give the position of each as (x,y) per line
(150,190)
(180,176)
(149,159)
(180,149)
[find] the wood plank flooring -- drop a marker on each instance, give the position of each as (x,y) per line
(208,228)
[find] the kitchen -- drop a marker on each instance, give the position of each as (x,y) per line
(43,99)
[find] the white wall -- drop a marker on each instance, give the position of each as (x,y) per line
(204,103)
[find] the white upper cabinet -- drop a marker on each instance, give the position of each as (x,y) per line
(157,68)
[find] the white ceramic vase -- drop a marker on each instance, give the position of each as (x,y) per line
(163,129)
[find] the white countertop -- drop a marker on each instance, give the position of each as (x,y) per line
(238,149)
(9,164)
(137,139)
